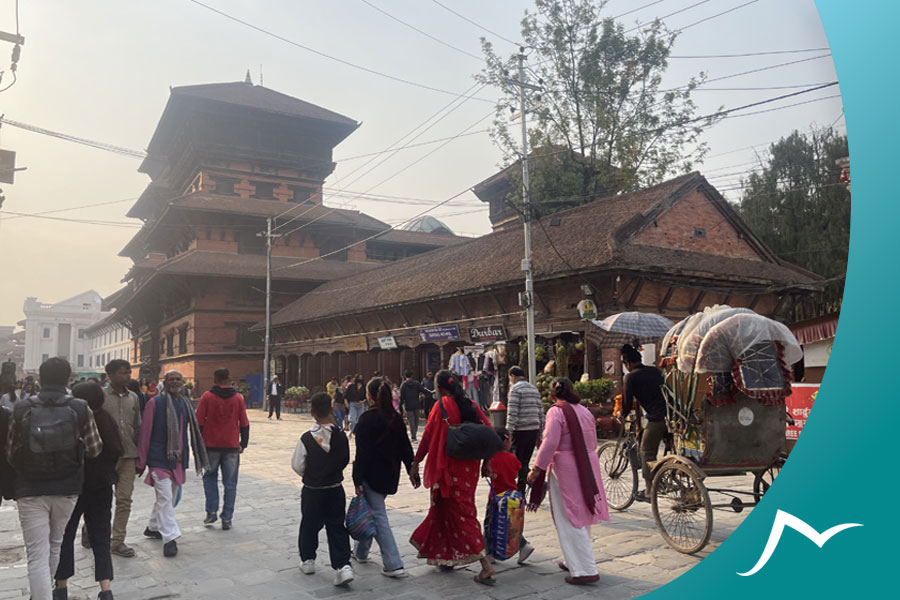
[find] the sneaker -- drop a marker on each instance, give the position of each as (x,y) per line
(344,575)
(396,573)
(226,525)
(152,534)
(210,518)
(524,552)
(308,567)
(170,549)
(583,579)
(121,549)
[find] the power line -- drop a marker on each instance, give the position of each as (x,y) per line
(742,73)
(325,55)
(724,12)
(416,29)
(408,146)
(71,220)
(746,54)
(639,8)
(482,27)
(71,138)
(672,14)
(59,210)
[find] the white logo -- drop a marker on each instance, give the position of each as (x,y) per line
(782,520)
(745,416)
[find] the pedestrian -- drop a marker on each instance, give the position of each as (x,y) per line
(319,458)
(505,470)
(524,419)
(381,446)
(412,393)
(276,391)
(222,417)
(356,400)
(95,500)
(7,475)
(339,406)
(451,534)
(430,393)
(135,386)
(644,384)
(577,498)
(124,407)
(167,423)
(47,448)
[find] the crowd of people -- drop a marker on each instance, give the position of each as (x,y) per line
(73,450)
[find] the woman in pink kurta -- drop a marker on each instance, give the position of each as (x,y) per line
(577,500)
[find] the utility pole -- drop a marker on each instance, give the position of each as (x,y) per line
(526,300)
(269,236)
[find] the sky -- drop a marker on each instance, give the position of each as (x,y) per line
(102,71)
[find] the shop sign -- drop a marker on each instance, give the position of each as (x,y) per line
(587,309)
(440,333)
(799,404)
(359,343)
(387,342)
(487,333)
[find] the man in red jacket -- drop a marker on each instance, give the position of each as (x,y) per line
(222,417)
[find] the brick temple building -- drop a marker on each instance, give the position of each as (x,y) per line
(223,159)
(672,249)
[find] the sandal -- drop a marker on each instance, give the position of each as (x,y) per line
(486,580)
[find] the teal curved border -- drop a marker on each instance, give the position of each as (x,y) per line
(842,470)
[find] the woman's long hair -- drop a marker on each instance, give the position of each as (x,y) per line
(380,391)
(449,382)
(562,389)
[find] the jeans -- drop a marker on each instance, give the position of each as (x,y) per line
(229,462)
(96,506)
(356,410)
(412,417)
(390,555)
(324,508)
(43,520)
(339,417)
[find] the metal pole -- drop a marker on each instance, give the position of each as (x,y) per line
(268,310)
(526,201)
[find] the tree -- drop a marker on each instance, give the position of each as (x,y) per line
(601,124)
(797,205)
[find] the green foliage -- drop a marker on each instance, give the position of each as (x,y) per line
(244,389)
(562,360)
(798,207)
(543,385)
(297,390)
(595,391)
(602,125)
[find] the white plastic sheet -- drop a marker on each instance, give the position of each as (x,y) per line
(726,341)
(689,345)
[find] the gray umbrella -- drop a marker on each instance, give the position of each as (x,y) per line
(629,328)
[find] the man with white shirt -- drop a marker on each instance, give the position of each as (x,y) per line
(276,391)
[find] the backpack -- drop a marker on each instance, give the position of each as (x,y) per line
(50,446)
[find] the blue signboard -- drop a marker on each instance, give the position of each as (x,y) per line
(441,333)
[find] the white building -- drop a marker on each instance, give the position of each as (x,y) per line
(107,339)
(59,330)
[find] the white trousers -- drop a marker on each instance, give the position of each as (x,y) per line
(574,541)
(44,520)
(162,517)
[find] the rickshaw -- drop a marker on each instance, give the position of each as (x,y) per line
(736,427)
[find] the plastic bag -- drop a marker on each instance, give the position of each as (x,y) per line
(505,522)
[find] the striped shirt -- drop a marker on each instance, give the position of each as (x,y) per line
(525,411)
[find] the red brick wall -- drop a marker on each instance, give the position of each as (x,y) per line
(675,229)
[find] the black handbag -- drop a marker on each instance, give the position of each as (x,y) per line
(470,441)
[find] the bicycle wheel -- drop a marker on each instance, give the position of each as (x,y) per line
(681,507)
(763,479)
(620,475)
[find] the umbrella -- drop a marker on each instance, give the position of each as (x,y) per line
(629,328)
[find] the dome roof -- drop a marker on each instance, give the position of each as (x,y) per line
(427,224)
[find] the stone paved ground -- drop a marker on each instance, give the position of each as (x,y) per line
(258,558)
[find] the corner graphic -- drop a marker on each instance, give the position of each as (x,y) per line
(782,520)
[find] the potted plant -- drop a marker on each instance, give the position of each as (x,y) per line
(596,395)
(295,396)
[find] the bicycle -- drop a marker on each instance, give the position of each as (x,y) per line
(619,466)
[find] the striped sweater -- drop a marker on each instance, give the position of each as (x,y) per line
(525,412)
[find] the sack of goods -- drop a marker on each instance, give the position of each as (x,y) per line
(360,523)
(506,520)
(471,441)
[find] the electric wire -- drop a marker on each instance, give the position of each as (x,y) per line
(482,27)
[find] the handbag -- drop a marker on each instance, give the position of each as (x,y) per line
(470,441)
(504,524)
(360,523)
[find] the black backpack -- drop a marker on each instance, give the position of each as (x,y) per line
(50,446)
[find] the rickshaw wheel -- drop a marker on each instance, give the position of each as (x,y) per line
(620,474)
(681,507)
(763,479)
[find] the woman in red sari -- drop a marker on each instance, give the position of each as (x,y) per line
(451,534)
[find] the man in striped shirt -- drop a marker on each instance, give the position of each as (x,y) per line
(525,419)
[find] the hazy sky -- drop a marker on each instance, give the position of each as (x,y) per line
(102,70)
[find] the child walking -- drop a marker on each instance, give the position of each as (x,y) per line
(320,457)
(505,467)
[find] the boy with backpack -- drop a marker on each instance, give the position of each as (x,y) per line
(50,435)
(505,467)
(320,457)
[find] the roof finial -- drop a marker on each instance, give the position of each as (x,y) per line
(247,79)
